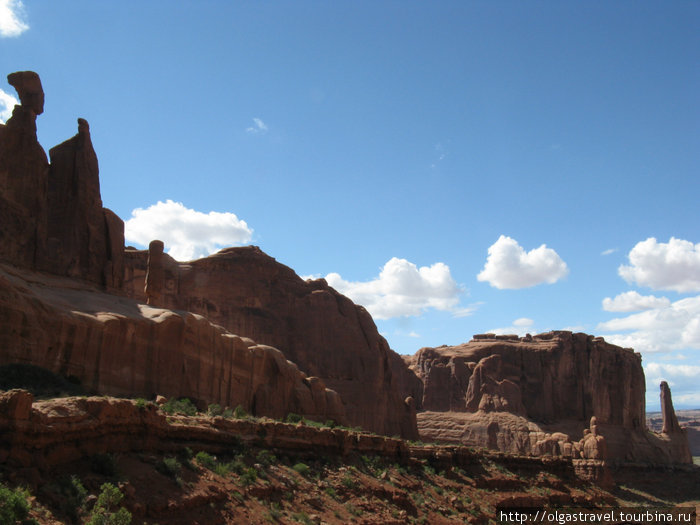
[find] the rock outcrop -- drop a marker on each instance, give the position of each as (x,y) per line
(558,393)
(85,240)
(51,214)
(24,173)
(322,331)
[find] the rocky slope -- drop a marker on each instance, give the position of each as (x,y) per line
(554,393)
(251,470)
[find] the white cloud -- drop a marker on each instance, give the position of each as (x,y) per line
(402,289)
(188,234)
(608,251)
(663,329)
(683,380)
(633,302)
(520,326)
(258,126)
(509,266)
(7,104)
(664,266)
(11,18)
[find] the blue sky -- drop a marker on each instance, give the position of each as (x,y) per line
(456,167)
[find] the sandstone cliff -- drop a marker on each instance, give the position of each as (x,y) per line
(322,331)
(547,394)
(114,345)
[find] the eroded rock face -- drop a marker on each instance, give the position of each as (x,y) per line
(320,330)
(558,393)
(85,240)
(114,345)
(24,172)
(51,214)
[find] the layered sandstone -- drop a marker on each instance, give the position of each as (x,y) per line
(320,330)
(558,393)
(115,345)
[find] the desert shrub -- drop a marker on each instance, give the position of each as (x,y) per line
(169,466)
(302,468)
(302,517)
(266,458)
(214,410)
(206,460)
(182,406)
(331,492)
(239,412)
(293,418)
(249,476)
(348,482)
(105,511)
(13,505)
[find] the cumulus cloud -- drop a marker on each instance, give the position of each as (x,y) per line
(664,266)
(633,302)
(11,18)
(661,329)
(258,126)
(402,289)
(520,326)
(683,380)
(188,234)
(509,266)
(7,104)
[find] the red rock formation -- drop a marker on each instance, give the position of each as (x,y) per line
(328,336)
(23,178)
(536,395)
(52,215)
(115,345)
(81,242)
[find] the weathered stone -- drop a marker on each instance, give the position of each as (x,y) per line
(320,330)
(114,345)
(670,422)
(528,396)
(155,275)
(23,179)
(28,86)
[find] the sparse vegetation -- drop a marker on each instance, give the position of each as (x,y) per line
(14,507)
(106,510)
(169,466)
(302,468)
(182,406)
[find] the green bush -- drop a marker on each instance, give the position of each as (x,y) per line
(215,410)
(293,418)
(302,468)
(13,505)
(105,511)
(249,476)
(266,458)
(206,460)
(239,412)
(180,406)
(170,467)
